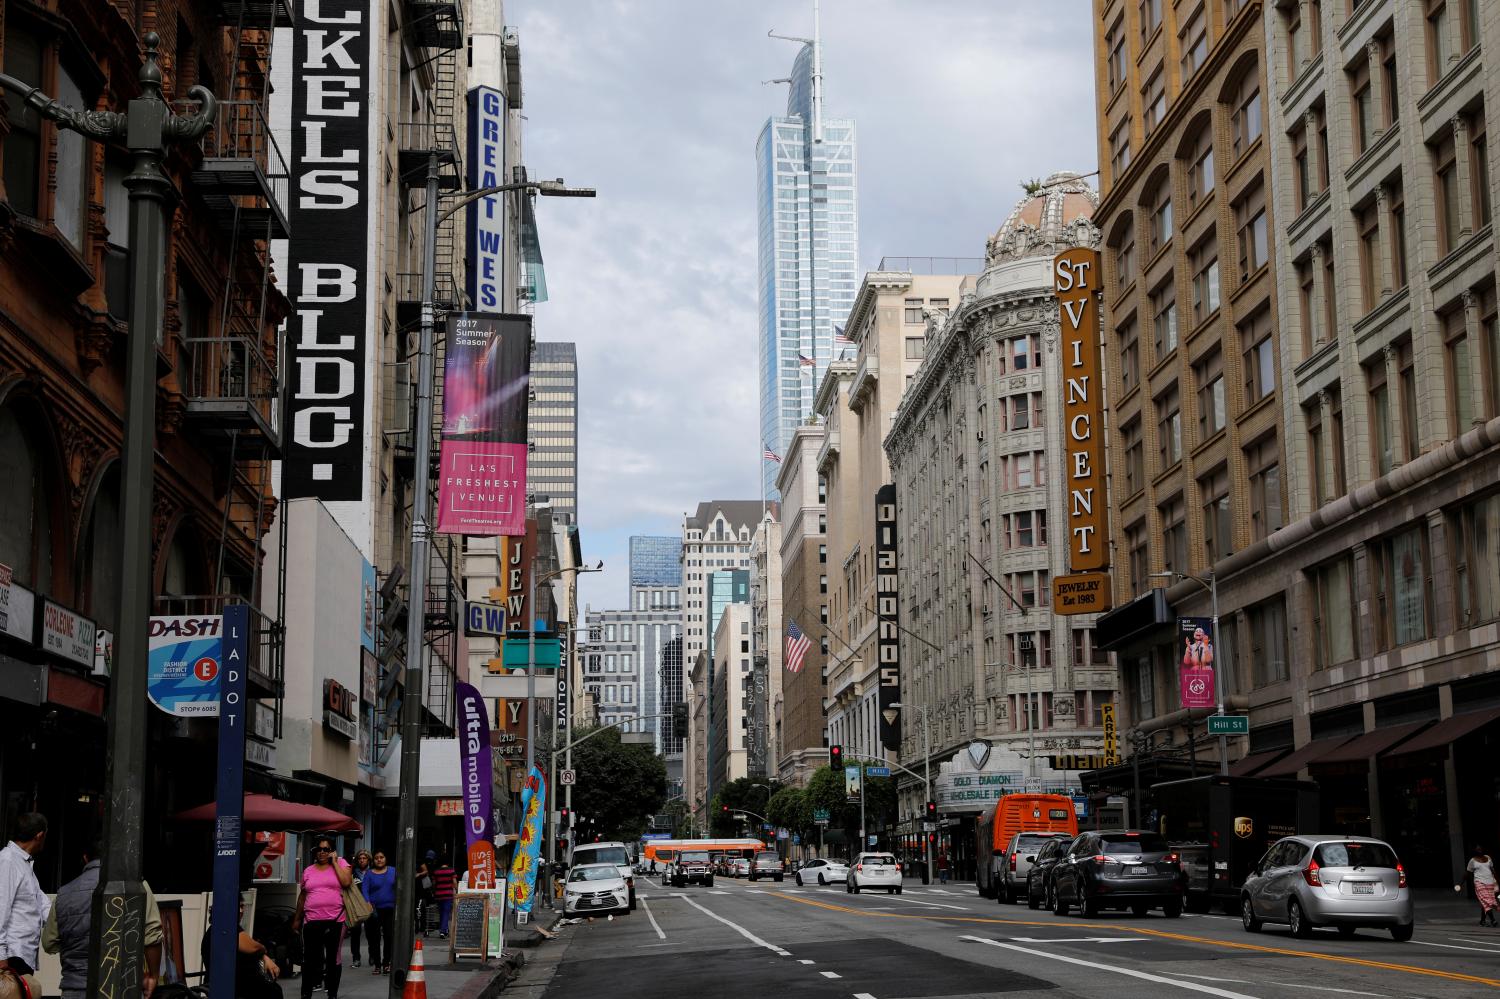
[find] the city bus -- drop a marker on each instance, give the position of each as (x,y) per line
(660,852)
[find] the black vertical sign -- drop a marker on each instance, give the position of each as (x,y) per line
(229,801)
(324,431)
(888,634)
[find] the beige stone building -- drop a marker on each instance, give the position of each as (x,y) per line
(737,685)
(767,640)
(804,559)
(976,454)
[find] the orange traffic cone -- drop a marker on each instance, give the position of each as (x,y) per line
(416,976)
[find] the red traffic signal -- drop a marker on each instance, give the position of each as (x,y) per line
(836,757)
(724,809)
(932,811)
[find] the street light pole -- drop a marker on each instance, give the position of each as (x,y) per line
(147,126)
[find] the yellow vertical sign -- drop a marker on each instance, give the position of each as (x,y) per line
(1111,743)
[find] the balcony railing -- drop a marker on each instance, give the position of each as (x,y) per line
(416,141)
(435,24)
(230,385)
(243,177)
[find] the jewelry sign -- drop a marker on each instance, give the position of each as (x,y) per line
(888,633)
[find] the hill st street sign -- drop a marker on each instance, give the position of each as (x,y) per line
(1228,724)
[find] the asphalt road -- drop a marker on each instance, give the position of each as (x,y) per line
(743,941)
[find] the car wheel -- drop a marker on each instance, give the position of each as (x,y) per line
(799,880)
(1090,907)
(821,881)
(1173,909)
(1247,916)
(1054,897)
(1401,934)
(1346,931)
(898,889)
(1032,902)
(1297,919)
(708,882)
(1140,910)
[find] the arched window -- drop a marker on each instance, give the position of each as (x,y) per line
(101,548)
(25,507)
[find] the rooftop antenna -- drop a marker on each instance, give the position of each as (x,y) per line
(817,68)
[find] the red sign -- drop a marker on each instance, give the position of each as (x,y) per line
(1197,686)
(481,864)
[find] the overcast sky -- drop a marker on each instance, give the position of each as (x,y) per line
(657,103)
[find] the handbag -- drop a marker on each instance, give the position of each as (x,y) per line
(356,908)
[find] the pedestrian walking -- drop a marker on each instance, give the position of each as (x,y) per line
(1482,870)
(424,888)
(379,886)
(444,886)
(23,907)
(255,973)
(66,931)
(361,868)
(320,917)
(942,866)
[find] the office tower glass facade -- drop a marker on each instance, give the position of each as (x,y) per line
(552,469)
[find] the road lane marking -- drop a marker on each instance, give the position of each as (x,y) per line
(1283,985)
(863,995)
(1429,943)
(717,891)
(804,960)
(651,916)
(1131,972)
(830,974)
(737,928)
(1472,940)
(1452,976)
(1052,940)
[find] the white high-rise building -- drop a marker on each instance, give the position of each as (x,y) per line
(806,194)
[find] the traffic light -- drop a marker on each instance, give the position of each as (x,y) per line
(724,809)
(932,840)
(562,819)
(931,811)
(836,758)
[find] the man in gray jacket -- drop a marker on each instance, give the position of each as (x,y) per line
(69,923)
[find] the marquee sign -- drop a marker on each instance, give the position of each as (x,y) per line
(888,634)
(329,218)
(1076,280)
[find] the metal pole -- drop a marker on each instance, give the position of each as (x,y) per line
(1031,713)
(416,610)
(1213,588)
(927,785)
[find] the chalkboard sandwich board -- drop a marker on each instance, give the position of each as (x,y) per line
(471,924)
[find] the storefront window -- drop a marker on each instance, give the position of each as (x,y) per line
(1478,572)
(1401,588)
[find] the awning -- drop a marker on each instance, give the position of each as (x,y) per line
(265,812)
(1362,747)
(1314,750)
(1446,731)
(1247,765)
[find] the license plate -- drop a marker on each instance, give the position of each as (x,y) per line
(1139,870)
(1364,888)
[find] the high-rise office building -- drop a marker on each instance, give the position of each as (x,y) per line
(808,250)
(655,562)
(552,470)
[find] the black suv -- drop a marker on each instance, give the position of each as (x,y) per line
(689,868)
(1118,869)
(1039,877)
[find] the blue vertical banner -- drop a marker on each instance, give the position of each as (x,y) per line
(523,869)
(229,800)
(486,217)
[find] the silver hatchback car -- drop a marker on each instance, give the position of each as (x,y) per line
(1341,881)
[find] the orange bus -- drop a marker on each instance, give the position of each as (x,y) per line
(661,852)
(1014,813)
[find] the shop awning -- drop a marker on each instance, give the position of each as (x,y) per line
(265,812)
(1247,765)
(1446,731)
(1314,750)
(1362,747)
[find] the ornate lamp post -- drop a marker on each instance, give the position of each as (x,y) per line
(145,128)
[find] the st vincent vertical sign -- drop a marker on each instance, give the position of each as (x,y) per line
(887,613)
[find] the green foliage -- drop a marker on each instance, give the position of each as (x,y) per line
(791,809)
(1032,186)
(618,785)
(743,792)
(826,790)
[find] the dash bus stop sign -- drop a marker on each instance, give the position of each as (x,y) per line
(1228,724)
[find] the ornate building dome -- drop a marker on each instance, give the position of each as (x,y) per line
(1056,217)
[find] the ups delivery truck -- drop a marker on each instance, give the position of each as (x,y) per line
(1221,826)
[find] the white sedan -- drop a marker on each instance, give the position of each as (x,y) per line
(874,870)
(595,888)
(822,871)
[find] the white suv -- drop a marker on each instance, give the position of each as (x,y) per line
(874,870)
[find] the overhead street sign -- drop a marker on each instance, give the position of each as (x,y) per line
(877,771)
(1228,724)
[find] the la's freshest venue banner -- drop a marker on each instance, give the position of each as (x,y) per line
(486,382)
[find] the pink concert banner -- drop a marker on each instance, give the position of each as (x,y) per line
(486,376)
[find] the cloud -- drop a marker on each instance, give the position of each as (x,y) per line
(658,103)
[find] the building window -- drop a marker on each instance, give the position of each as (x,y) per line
(1489,336)
(1336,440)
(1140,558)
(1208,374)
(913,313)
(1250,225)
(1296,41)
(1382,443)
(1459,365)
(1307,311)
(1388,83)
(1244,123)
(822,584)
(1479,170)
(1401,579)
(1334,623)
(1363,110)
(1368,220)
(1193,43)
(1135,470)
(1150,18)
(1119,148)
(1205,263)
(1268,641)
(1025,352)
(1168,428)
(1439,44)
(1477,574)
(1201,171)
(1218,530)
(1316,453)
(1125,260)
(1330,300)
(1407,372)
(916,346)
(1118,64)
(1161,216)
(1260,357)
(1449,207)
(1302,167)
(1174,542)
(1130,355)
(1263,460)
(1397,199)
(822,554)
(1145,688)
(1154,100)
(1164,319)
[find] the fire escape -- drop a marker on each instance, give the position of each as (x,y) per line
(426,137)
(227,361)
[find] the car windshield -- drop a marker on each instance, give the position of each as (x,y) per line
(1032,842)
(1131,845)
(693,858)
(767,858)
(1355,855)
(594,872)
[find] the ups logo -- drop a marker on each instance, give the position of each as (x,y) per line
(1244,826)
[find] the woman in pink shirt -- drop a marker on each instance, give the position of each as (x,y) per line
(320,916)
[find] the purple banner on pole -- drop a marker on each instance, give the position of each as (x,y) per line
(473,725)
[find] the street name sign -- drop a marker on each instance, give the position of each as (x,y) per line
(1228,724)
(877,771)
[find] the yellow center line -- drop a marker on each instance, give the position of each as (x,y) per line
(1207,941)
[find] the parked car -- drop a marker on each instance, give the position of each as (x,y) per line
(1118,869)
(689,867)
(607,853)
(766,864)
(1019,855)
(1039,872)
(823,871)
(595,888)
(739,867)
(1342,881)
(874,870)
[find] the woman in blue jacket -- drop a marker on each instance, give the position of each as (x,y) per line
(379,888)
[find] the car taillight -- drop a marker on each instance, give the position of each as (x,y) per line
(859,867)
(1013,862)
(898,868)
(1401,876)
(1101,859)
(1171,858)
(1311,876)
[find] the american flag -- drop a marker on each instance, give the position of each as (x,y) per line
(805,360)
(797,645)
(772,455)
(839,336)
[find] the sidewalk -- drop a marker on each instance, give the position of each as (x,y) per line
(444,981)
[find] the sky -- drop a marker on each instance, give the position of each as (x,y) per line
(657,104)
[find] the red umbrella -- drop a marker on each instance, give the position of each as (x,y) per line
(265,812)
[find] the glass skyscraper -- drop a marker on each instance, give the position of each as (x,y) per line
(808,248)
(655,561)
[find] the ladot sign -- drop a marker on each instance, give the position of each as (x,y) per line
(1076,280)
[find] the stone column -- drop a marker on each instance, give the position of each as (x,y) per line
(1476,357)
(1466,206)
(1324,471)
(1314,141)
(1396,406)
(1386,263)
(1455,36)
(1321,291)
(1378,110)
(1310,26)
